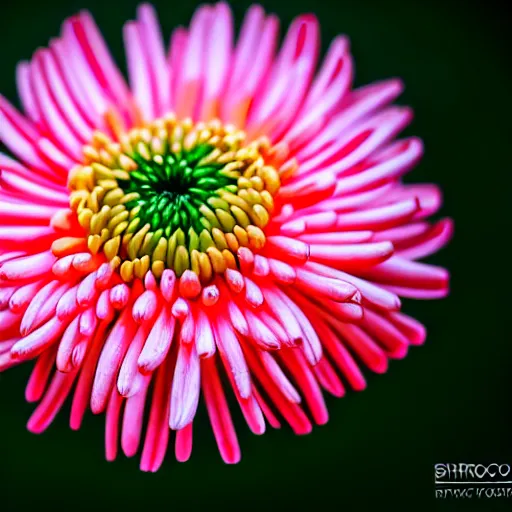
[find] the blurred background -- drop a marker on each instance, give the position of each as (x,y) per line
(448,401)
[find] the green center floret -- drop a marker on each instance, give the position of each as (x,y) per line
(172,187)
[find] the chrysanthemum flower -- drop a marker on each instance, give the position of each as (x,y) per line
(233,220)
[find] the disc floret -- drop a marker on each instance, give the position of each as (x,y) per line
(175,195)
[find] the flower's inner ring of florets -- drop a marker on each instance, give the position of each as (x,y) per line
(174,195)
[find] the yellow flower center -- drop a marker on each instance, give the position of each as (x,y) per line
(175,195)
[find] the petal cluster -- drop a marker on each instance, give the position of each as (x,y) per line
(290,284)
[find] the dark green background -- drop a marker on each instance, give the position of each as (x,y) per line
(447,402)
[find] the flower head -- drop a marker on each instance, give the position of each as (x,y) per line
(229,214)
